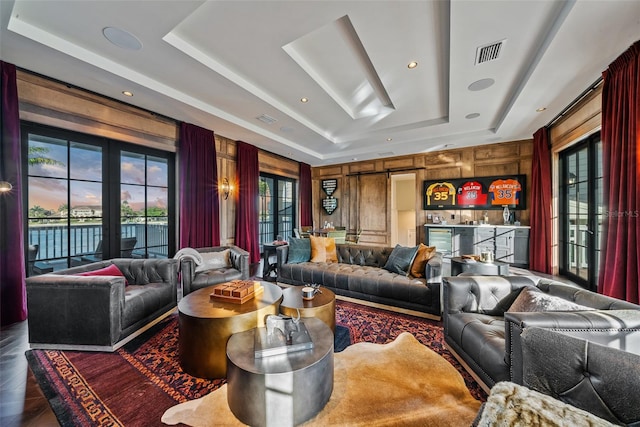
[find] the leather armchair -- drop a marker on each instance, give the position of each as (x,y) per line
(192,280)
(101,313)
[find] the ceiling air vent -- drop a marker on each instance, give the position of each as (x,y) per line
(266,119)
(489,52)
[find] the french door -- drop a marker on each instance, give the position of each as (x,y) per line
(277,208)
(89,198)
(581,211)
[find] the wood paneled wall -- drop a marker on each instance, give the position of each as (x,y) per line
(364,197)
(55,104)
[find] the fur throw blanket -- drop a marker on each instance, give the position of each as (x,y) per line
(189,253)
(512,405)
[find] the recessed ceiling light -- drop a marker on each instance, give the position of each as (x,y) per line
(127,93)
(122,38)
(541,109)
(412,65)
(481,84)
(389,139)
(472,115)
(304,100)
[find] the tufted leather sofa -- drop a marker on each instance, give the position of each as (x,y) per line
(595,378)
(239,269)
(489,344)
(359,274)
(67,311)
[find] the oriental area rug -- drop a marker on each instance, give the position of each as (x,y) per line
(135,385)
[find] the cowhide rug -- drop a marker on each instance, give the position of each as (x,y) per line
(399,383)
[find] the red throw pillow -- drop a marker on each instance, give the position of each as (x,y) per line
(111,270)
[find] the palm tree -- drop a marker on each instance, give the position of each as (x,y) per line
(36,157)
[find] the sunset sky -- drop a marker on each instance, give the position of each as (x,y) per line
(83,167)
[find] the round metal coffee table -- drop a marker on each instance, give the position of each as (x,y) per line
(284,389)
(322,306)
(205,325)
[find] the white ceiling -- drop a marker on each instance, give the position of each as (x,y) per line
(222,64)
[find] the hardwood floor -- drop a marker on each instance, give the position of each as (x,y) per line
(22,402)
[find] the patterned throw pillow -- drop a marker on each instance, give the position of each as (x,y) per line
(529,301)
(400,259)
(299,250)
(424,254)
(507,301)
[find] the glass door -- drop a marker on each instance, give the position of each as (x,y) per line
(89,198)
(65,202)
(144,205)
(581,211)
(277,208)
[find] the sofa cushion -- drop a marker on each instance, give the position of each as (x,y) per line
(214,260)
(400,259)
(323,249)
(110,270)
(483,337)
(534,300)
(423,255)
(299,250)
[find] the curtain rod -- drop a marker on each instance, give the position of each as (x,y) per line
(580,97)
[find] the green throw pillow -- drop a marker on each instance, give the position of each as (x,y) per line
(299,250)
(401,259)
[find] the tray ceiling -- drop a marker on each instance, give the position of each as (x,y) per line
(241,68)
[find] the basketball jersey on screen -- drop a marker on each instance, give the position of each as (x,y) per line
(470,193)
(505,192)
(441,194)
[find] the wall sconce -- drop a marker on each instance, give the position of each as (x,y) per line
(225,188)
(5,186)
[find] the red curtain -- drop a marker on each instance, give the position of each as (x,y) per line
(620,261)
(248,177)
(199,202)
(306,214)
(540,237)
(13,294)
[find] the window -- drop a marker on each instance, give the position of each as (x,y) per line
(581,211)
(90,198)
(276,208)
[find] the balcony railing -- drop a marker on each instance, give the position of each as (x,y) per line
(53,240)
